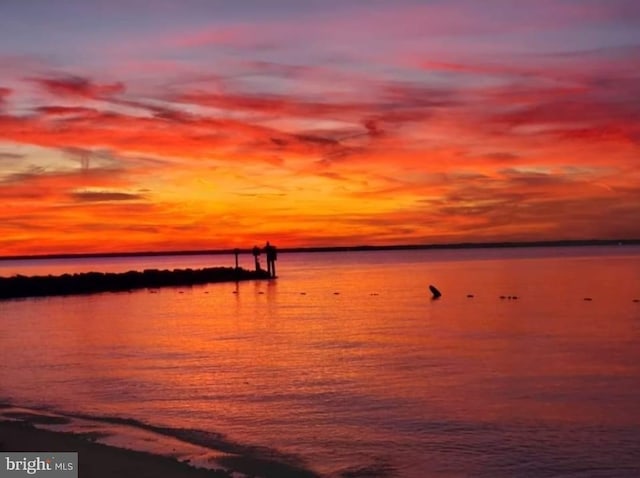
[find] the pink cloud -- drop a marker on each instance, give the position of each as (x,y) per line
(66,110)
(78,87)
(4,94)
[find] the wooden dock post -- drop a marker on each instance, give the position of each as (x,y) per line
(256,256)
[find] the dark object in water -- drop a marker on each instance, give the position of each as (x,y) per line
(636,300)
(470,296)
(436,294)
(502,297)
(588,299)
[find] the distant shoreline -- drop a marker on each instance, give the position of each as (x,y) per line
(400,247)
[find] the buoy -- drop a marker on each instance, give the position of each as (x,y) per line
(470,296)
(436,294)
(589,299)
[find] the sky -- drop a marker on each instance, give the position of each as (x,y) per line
(191,124)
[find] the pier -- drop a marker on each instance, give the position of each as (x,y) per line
(93,282)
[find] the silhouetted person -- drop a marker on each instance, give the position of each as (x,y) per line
(236,251)
(256,256)
(272,257)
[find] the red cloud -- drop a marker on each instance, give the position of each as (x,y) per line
(272,104)
(476,68)
(79,87)
(66,110)
(168,133)
(4,93)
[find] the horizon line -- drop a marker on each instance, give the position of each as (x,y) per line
(364,247)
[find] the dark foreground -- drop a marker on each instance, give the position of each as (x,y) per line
(92,282)
(97,460)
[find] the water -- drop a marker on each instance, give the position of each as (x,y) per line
(345,362)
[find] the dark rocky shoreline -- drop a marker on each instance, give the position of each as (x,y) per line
(93,282)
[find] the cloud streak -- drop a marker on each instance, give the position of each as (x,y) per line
(71,86)
(100,196)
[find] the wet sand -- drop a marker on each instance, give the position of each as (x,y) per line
(96,460)
(29,430)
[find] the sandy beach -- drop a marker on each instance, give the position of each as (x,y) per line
(96,460)
(29,430)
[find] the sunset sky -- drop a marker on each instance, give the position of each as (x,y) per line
(195,124)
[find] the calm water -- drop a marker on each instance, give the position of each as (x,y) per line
(345,361)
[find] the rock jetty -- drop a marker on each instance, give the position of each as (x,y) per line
(93,282)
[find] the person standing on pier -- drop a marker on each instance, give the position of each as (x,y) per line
(256,256)
(272,257)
